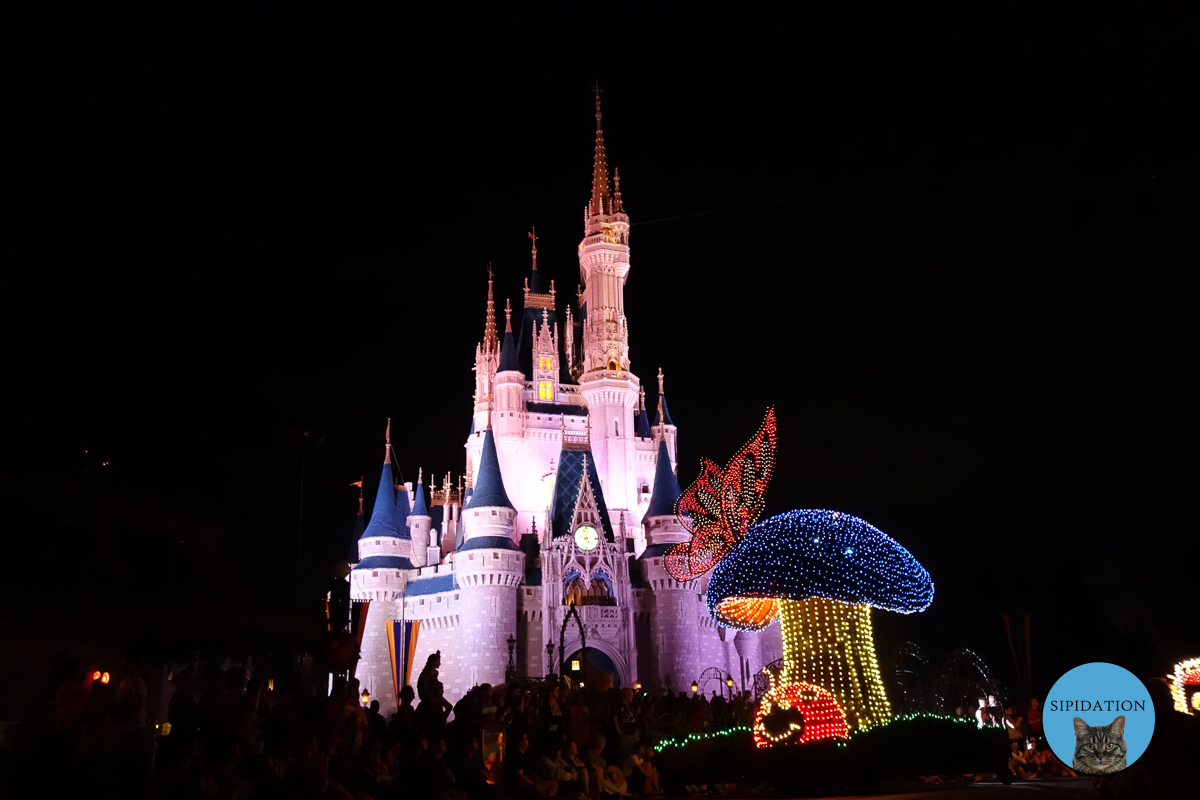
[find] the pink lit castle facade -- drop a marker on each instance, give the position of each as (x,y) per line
(568,507)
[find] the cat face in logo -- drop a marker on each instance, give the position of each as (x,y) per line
(1099,750)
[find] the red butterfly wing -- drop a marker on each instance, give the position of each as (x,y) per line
(721,505)
(745,478)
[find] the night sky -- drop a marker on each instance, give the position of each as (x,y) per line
(955,249)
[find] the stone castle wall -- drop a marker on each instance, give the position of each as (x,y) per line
(374,670)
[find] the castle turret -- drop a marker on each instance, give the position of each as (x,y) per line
(663,426)
(508,418)
(605,382)
(487,358)
(419,523)
(378,580)
(489,513)
(676,626)
(662,525)
(488,567)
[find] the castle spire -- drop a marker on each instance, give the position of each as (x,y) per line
(508,351)
(618,207)
(664,414)
(665,493)
(489,484)
(600,198)
(533,283)
(491,342)
(641,418)
(383,515)
(419,508)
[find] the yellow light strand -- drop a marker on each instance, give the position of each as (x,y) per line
(831,645)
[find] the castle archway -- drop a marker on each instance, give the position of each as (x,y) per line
(601,656)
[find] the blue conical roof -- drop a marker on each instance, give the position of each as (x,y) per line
(666,486)
(508,354)
(419,508)
(489,484)
(641,424)
(401,514)
(383,515)
(665,413)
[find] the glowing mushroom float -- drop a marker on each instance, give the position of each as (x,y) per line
(819,573)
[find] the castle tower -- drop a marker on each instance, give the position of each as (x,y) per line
(419,523)
(487,359)
(583,560)
(605,383)
(488,567)
(663,426)
(675,624)
(448,500)
(546,359)
(539,304)
(508,416)
(378,580)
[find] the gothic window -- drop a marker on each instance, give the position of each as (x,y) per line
(545,390)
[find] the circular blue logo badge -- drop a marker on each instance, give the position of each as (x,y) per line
(1098,718)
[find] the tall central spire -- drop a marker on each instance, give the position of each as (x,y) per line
(601,202)
(491,342)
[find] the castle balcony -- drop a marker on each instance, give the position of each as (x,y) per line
(608,374)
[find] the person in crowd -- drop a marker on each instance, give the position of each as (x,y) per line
(580,724)
(995,712)
(553,717)
(608,779)
(625,722)
(523,774)
(572,778)
(434,708)
(1011,722)
(640,774)
(1034,717)
(717,704)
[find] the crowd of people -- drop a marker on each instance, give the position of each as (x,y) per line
(1029,755)
(236,737)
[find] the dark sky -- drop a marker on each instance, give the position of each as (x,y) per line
(955,248)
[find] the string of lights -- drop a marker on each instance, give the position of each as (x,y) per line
(820,572)
(1186,673)
(681,741)
(845,739)
(798,713)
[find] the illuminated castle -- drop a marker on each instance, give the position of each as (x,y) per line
(570,497)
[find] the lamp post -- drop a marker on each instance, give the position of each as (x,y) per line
(695,687)
(510,672)
(549,658)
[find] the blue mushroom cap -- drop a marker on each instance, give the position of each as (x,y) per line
(816,553)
